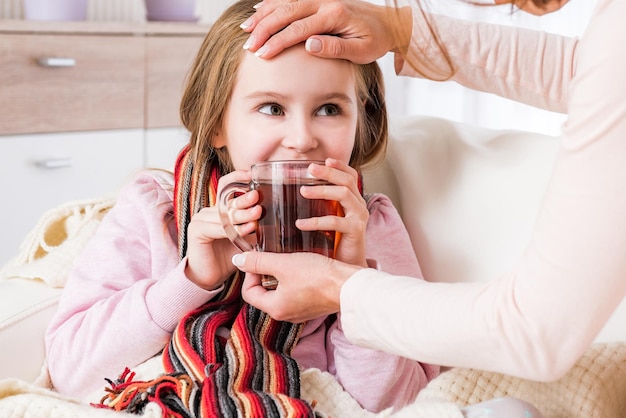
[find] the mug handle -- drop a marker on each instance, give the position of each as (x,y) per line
(227,194)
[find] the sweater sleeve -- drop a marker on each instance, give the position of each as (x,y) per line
(524,65)
(125,294)
(536,320)
(379,380)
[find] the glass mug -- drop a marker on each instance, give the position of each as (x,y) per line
(278,184)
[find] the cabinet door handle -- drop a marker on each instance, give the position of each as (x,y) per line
(54,163)
(56,62)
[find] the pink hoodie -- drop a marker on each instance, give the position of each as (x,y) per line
(128,291)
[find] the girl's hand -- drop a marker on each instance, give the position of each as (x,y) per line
(209,251)
(352,225)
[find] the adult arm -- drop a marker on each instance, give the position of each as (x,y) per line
(524,65)
(535,321)
(539,318)
(125,294)
(377,379)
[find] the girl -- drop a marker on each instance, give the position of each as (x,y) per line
(159,273)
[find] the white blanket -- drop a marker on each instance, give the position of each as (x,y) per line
(19,399)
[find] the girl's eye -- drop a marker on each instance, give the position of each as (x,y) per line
(271,109)
(328,110)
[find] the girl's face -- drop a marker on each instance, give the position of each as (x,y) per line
(292,107)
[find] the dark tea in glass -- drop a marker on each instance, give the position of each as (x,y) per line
(282,205)
(278,184)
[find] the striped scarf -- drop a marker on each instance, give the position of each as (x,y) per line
(250,373)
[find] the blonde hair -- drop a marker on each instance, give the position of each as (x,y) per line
(212,78)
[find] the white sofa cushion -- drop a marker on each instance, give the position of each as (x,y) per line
(469,197)
(31,283)
(26,307)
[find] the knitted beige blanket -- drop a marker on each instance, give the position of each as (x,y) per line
(594,388)
(48,251)
(19,399)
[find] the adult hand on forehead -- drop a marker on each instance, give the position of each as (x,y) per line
(363,32)
(355,30)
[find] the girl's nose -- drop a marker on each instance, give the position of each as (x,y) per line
(300,137)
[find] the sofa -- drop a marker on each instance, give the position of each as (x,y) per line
(468,195)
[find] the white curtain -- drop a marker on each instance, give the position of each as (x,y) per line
(449,100)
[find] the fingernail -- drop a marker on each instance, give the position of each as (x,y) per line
(246,24)
(256,6)
(313,45)
(261,51)
(249,42)
(239,260)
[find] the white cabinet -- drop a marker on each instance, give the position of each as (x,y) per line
(44,170)
(65,82)
(163,145)
(84,105)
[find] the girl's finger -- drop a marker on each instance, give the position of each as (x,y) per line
(346,195)
(241,216)
(245,201)
(335,172)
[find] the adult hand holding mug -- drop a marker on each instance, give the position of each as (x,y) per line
(298,298)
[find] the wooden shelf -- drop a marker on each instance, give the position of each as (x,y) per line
(122,75)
